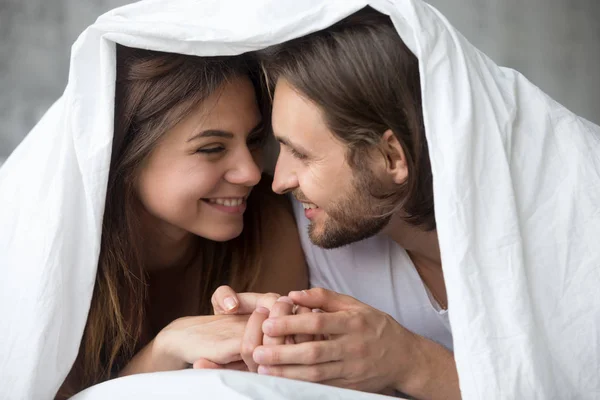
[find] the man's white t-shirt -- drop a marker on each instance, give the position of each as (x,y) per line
(378,272)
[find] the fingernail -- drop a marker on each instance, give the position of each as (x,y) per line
(316,310)
(258,355)
(286,299)
(289,340)
(262,370)
(230,303)
(298,293)
(268,326)
(262,310)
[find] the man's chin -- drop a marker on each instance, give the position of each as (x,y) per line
(326,243)
(328,237)
(331,240)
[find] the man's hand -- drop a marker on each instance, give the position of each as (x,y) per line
(260,305)
(367,349)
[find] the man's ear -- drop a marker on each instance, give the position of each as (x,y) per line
(396,165)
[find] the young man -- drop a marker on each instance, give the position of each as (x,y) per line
(347,113)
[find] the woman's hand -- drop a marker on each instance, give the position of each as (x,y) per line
(226,301)
(207,339)
(216,338)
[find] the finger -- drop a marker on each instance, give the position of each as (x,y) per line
(320,337)
(308,324)
(267,300)
(303,338)
(224,300)
(324,299)
(303,353)
(245,303)
(327,372)
(283,306)
(206,364)
(203,363)
(251,301)
(224,352)
(253,336)
(236,366)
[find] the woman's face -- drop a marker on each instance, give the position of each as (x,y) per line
(199,175)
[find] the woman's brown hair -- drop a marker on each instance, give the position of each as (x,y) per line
(154,91)
(365,81)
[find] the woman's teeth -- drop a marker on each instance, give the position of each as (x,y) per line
(309,206)
(227,202)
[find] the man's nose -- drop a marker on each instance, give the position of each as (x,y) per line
(285,180)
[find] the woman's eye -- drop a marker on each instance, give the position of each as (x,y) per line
(210,150)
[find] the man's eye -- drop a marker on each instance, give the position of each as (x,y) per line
(298,155)
(210,150)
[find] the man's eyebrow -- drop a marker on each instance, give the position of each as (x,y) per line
(286,142)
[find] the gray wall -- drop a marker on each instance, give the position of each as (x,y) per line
(35,43)
(555,43)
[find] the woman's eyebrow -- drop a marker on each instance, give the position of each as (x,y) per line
(212,133)
(221,133)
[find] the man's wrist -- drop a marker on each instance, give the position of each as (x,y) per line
(413,380)
(433,373)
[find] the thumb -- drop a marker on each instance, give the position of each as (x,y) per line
(324,299)
(203,363)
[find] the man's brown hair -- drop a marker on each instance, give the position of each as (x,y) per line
(365,81)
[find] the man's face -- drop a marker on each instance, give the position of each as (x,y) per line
(312,165)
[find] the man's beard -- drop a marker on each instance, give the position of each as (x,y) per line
(357,216)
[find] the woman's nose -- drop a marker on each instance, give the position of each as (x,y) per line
(245,171)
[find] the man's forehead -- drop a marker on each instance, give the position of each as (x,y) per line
(295,116)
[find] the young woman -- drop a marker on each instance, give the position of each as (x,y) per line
(185,213)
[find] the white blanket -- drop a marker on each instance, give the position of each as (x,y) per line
(516,185)
(215,384)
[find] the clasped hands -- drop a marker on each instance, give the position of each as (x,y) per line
(320,336)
